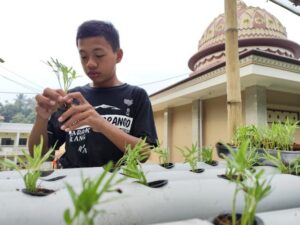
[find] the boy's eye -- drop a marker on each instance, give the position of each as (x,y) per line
(99,56)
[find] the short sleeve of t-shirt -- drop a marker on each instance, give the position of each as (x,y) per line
(143,125)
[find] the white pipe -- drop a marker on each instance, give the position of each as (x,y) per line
(73,177)
(147,167)
(178,200)
(6,175)
(281,217)
(207,174)
(74,181)
(187,222)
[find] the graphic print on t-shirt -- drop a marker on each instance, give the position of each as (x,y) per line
(104,106)
(78,137)
(128,102)
(124,122)
(82,149)
(79,134)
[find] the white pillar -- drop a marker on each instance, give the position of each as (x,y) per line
(197,123)
(16,144)
(256,106)
(167,130)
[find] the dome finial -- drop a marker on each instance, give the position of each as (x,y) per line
(241,4)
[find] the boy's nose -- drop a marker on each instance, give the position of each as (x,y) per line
(91,63)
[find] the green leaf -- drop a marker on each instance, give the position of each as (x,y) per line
(8,163)
(91,193)
(67,217)
(65,75)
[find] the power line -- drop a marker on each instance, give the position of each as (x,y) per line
(18,75)
(143,84)
(15,92)
(16,82)
(158,81)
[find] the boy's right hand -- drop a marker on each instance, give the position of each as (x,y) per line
(48,102)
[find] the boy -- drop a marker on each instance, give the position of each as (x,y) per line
(108,114)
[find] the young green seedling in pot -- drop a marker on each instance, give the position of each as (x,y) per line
(90,196)
(32,165)
(255,188)
(164,158)
(240,160)
(131,162)
(190,156)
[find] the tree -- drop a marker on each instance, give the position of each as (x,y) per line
(22,110)
(18,118)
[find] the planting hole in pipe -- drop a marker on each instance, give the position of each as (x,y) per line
(167,165)
(199,170)
(40,192)
(226,219)
(212,163)
(45,173)
(233,178)
(54,178)
(157,183)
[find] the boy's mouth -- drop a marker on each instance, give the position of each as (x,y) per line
(93,74)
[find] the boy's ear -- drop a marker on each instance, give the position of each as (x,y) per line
(119,55)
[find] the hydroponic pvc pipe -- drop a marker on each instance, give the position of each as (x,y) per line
(209,173)
(281,217)
(187,222)
(138,204)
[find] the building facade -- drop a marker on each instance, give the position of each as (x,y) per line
(13,138)
(194,110)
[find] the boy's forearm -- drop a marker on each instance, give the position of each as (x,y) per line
(39,129)
(122,139)
(119,137)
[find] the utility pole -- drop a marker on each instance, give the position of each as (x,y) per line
(234,100)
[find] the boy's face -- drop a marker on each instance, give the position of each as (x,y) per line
(99,61)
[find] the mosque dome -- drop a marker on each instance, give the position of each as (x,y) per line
(257,29)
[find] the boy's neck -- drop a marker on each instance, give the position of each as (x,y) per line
(106,85)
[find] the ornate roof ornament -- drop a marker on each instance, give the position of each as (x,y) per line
(257,30)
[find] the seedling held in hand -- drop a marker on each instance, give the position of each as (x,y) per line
(64,74)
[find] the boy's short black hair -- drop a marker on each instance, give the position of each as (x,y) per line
(94,28)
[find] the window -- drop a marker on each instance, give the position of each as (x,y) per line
(275,115)
(23,141)
(7,141)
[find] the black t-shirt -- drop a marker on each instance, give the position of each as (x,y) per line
(127,107)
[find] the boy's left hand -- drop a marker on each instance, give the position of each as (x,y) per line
(82,114)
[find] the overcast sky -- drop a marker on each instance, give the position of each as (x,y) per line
(158,38)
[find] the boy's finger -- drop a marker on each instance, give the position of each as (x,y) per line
(75,95)
(54,95)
